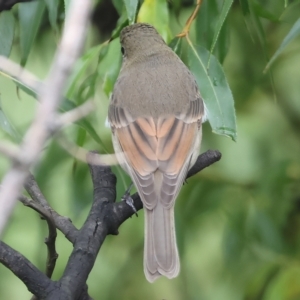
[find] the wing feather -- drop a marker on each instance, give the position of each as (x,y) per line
(163,145)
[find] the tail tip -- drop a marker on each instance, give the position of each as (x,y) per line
(151,277)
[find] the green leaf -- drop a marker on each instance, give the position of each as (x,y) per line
(245,7)
(118,4)
(81,136)
(122,22)
(87,88)
(112,74)
(7,28)
(27,89)
(85,124)
(293,33)
(206,23)
(224,11)
(52,6)
(30,16)
(6,126)
(131,7)
(259,28)
(222,45)
(264,13)
(156,13)
(82,65)
(90,130)
(176,46)
(215,91)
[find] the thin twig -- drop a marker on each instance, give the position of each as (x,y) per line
(62,223)
(81,153)
(10,150)
(50,97)
(190,20)
(50,240)
(75,114)
(18,74)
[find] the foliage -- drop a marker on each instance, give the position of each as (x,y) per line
(238,223)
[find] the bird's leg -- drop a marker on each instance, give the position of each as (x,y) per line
(127,198)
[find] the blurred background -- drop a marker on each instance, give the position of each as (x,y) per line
(237,222)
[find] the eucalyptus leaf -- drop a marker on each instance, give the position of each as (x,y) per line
(258,28)
(118,4)
(224,12)
(156,13)
(245,7)
(87,88)
(52,6)
(214,90)
(263,12)
(131,7)
(81,136)
(81,66)
(84,123)
(112,74)
(293,33)
(122,22)
(30,17)
(223,43)
(176,46)
(206,22)
(7,29)
(6,126)
(27,89)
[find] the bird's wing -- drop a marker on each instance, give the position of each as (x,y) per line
(165,145)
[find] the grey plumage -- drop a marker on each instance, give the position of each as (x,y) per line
(155,114)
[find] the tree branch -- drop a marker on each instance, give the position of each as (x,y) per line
(64,224)
(91,235)
(50,97)
(36,282)
(50,240)
(104,218)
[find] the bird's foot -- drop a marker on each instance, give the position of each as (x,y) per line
(129,201)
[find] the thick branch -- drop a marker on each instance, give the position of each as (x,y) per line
(91,235)
(36,282)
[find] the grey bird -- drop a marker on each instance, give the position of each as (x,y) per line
(155,114)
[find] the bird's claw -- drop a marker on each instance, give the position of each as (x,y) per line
(129,201)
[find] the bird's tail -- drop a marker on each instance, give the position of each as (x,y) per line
(160,252)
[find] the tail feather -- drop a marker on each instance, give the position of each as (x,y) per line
(160,254)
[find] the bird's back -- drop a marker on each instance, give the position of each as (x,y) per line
(157,85)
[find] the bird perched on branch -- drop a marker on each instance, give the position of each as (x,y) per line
(155,114)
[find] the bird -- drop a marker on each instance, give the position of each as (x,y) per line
(155,114)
